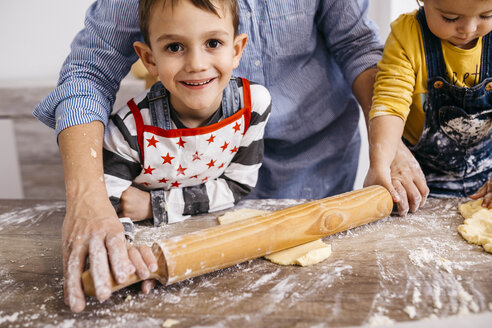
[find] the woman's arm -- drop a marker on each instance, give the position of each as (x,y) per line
(91,227)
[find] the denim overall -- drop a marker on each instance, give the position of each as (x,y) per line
(455,148)
(159,105)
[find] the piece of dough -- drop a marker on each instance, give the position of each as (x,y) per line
(304,255)
(477,227)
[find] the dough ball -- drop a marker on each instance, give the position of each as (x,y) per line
(477,227)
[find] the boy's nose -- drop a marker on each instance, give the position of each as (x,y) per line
(468,26)
(196,61)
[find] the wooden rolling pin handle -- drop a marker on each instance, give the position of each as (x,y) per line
(160,274)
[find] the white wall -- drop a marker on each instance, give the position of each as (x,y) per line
(36,36)
(383,12)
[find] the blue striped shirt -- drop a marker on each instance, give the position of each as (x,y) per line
(306,52)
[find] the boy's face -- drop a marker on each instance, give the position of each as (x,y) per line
(193,52)
(460,22)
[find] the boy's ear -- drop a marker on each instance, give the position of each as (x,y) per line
(145,53)
(239,45)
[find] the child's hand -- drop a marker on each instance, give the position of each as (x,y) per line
(135,204)
(404,181)
(382,177)
(486,193)
(145,262)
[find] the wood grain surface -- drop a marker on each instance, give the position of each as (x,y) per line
(390,270)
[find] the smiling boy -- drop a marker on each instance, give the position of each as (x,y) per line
(193,143)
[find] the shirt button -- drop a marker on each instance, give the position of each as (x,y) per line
(257,62)
(248,15)
(438,84)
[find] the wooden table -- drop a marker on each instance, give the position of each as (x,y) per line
(396,269)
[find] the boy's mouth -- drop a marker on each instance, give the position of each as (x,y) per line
(197,83)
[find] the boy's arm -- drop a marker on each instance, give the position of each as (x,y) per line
(393,92)
(121,156)
(404,167)
(384,135)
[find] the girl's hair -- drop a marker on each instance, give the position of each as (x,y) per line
(145,8)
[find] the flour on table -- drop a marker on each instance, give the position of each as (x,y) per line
(411,311)
(477,227)
(303,255)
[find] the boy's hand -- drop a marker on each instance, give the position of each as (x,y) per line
(409,181)
(145,262)
(404,180)
(136,204)
(486,193)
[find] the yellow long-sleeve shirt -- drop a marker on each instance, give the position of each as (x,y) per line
(401,83)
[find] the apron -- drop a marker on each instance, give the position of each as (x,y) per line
(455,148)
(177,158)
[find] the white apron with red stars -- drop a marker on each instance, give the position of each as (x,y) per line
(186,157)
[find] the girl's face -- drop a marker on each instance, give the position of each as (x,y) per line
(461,22)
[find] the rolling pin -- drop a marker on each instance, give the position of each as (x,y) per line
(211,249)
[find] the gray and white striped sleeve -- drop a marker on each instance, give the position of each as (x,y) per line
(121,156)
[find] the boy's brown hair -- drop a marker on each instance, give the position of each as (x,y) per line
(145,8)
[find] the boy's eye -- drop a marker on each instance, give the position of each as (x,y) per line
(450,19)
(486,17)
(213,43)
(174,47)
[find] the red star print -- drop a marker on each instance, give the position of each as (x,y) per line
(181,170)
(237,127)
(146,184)
(194,177)
(204,179)
(167,159)
(224,146)
(175,184)
(196,156)
(152,142)
(234,150)
(212,163)
(211,139)
(221,166)
(149,170)
(163,180)
(180,143)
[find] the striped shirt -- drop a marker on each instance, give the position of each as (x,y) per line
(307,53)
(187,171)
